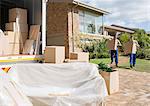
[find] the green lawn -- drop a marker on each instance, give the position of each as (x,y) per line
(141,65)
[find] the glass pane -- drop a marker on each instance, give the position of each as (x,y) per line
(90,23)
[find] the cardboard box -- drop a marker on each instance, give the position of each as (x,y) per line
(80,56)
(4,45)
(16,27)
(112,44)
(112,81)
(18,15)
(15,48)
(16,37)
(130,47)
(54,54)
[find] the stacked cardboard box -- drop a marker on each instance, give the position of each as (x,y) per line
(79,56)
(16,41)
(16,27)
(18,15)
(17,30)
(54,54)
(4,45)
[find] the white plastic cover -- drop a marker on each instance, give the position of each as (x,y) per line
(68,84)
(10,94)
(1,33)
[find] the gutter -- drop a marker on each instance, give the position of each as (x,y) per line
(91,7)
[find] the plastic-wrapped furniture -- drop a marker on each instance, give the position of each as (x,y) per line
(68,84)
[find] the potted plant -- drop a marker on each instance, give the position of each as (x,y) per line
(110,76)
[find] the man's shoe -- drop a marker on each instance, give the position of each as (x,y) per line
(116,65)
(131,66)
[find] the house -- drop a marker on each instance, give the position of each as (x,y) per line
(114,29)
(148,33)
(69,21)
(63,22)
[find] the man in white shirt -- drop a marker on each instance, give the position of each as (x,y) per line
(134,50)
(114,51)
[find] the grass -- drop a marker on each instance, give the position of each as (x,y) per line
(141,64)
(97,61)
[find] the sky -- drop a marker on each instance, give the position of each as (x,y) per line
(129,13)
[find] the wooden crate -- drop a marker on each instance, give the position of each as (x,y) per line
(79,56)
(112,81)
(54,54)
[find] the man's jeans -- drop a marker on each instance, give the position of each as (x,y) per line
(132,59)
(114,54)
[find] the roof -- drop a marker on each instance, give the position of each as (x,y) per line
(117,29)
(148,32)
(90,7)
(119,26)
(80,4)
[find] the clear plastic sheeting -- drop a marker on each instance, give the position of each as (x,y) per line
(1,33)
(68,84)
(10,94)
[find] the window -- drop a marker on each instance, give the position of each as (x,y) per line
(90,23)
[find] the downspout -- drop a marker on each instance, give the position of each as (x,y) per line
(43,25)
(103,24)
(73,42)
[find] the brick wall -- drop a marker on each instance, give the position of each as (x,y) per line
(57,28)
(62,26)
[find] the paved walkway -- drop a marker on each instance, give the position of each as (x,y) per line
(134,90)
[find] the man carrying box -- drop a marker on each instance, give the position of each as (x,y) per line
(112,45)
(134,45)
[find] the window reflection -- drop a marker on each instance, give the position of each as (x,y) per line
(90,22)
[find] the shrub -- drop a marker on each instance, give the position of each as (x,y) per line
(140,54)
(143,54)
(97,49)
(92,55)
(102,55)
(124,38)
(147,53)
(104,67)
